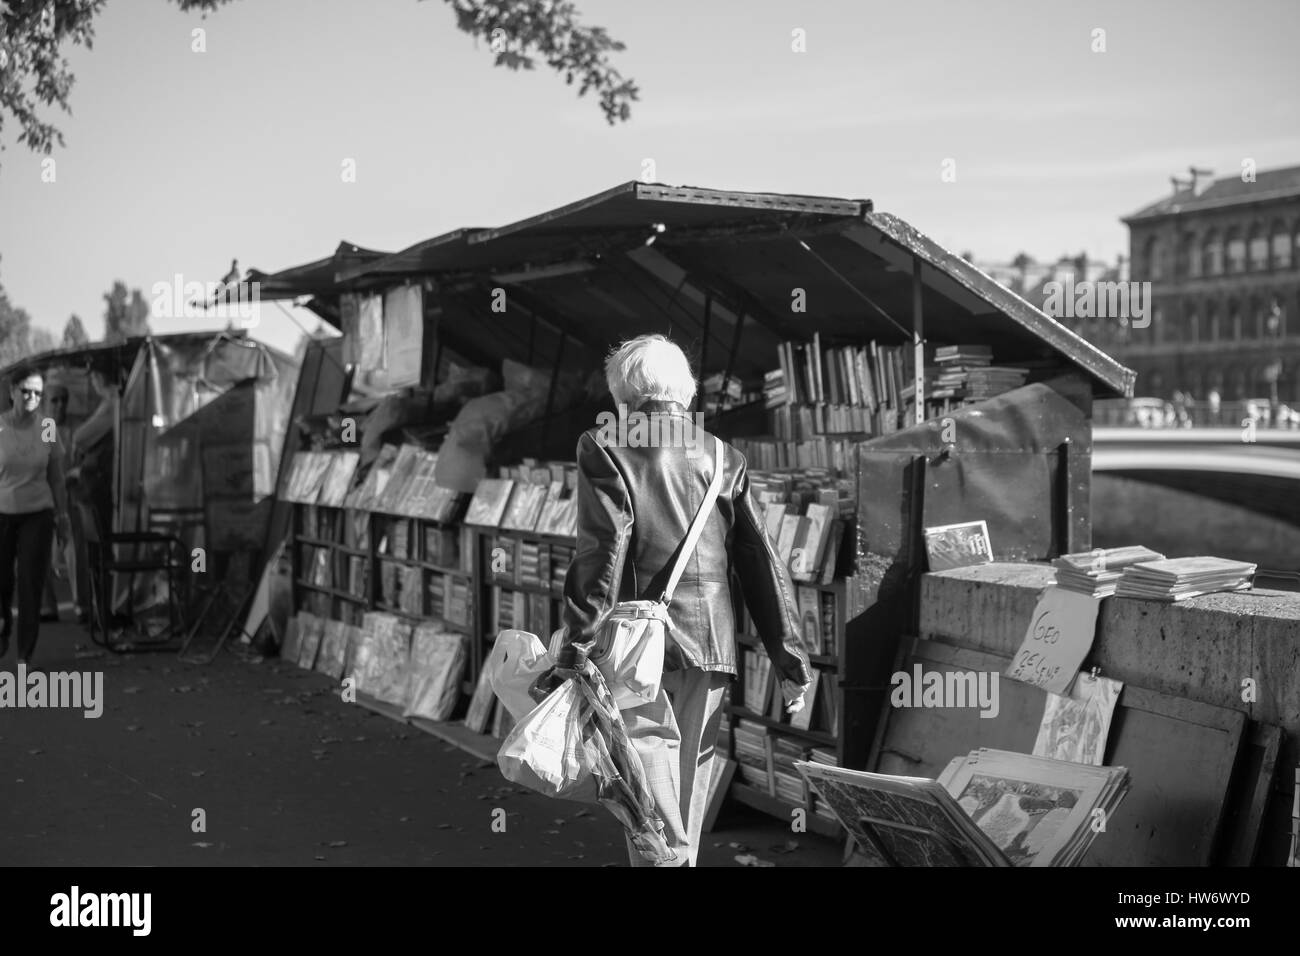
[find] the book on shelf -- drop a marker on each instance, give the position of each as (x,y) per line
(438,659)
(371,489)
(808,600)
(757,675)
(311,631)
(338,479)
(488,506)
(332,656)
(480,704)
(411,593)
(752,763)
(525,506)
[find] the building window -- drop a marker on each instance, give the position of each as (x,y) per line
(1213,258)
(1236,251)
(1165,331)
(1209,326)
(1233,332)
(1152,253)
(1281,246)
(1255,321)
(1193,326)
(1258,249)
(1189,256)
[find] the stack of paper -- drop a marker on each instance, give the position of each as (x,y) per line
(1175,579)
(1098,572)
(1038,811)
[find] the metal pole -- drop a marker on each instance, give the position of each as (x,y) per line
(918,341)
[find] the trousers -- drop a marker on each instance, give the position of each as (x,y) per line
(25,540)
(675,737)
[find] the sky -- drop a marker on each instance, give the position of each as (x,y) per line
(178,161)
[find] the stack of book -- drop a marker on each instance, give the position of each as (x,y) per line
(457,608)
(966,374)
(823,758)
(1176,579)
(787,783)
(1098,572)
(751,753)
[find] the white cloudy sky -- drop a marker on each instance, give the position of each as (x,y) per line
(177,162)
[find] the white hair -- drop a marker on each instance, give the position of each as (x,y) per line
(649,368)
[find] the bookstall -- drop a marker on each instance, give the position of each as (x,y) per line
(875,382)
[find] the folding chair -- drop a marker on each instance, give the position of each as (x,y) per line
(130,553)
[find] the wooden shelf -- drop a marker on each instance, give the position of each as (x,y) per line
(443,569)
(753,797)
(817,736)
(448,522)
(571,540)
(336,545)
(342,595)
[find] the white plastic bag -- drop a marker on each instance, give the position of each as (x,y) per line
(516,660)
(546,750)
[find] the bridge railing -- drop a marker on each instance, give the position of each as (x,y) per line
(1155,413)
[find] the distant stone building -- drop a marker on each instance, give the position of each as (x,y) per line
(1223,260)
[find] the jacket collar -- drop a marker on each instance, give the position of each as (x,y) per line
(659,406)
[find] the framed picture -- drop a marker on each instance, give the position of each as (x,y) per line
(958,545)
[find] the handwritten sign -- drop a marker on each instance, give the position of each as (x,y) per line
(1058,639)
(958,545)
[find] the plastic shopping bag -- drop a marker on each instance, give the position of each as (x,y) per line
(547,750)
(516,660)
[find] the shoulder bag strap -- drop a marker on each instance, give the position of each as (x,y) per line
(697,526)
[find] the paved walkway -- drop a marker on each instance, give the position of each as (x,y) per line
(285,774)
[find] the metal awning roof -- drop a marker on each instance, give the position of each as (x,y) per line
(649,257)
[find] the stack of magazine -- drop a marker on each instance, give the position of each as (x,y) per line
(1176,579)
(1098,572)
(988,808)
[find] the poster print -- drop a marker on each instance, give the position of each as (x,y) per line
(1076,726)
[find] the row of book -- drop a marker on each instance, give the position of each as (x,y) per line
(418,668)
(835,454)
(761,694)
(529,504)
(867,376)
(765,761)
(401,481)
(808,514)
(448,548)
(540,564)
(348,528)
(523,610)
(325,568)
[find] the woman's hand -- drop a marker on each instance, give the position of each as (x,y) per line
(793,694)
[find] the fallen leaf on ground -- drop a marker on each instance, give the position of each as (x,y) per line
(748,859)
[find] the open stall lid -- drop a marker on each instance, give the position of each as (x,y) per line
(731,273)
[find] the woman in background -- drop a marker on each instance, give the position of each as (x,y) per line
(33,505)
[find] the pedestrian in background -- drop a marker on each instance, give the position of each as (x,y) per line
(33,507)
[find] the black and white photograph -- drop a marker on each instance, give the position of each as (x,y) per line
(546,433)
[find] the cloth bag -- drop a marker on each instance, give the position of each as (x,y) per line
(629,646)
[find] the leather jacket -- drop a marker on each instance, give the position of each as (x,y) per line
(635,505)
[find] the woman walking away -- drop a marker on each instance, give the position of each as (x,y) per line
(636,502)
(31,494)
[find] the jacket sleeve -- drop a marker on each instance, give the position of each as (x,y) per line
(605,519)
(768,590)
